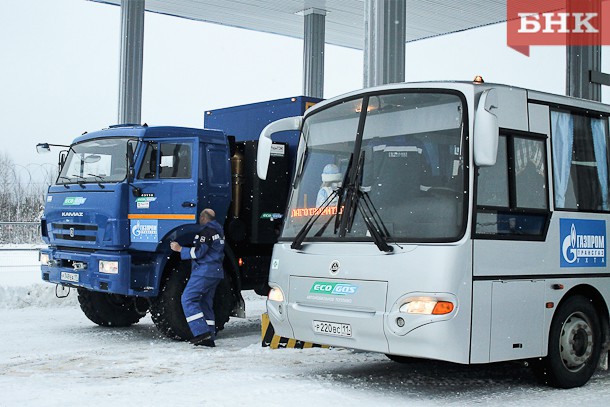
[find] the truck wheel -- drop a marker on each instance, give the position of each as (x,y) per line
(166,310)
(574,345)
(111,309)
(224,300)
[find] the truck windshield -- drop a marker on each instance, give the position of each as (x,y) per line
(99,160)
(404,156)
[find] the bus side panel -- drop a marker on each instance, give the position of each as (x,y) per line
(481,322)
(517,324)
(508,320)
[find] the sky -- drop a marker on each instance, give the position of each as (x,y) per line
(60,65)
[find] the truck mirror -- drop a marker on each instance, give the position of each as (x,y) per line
(265,142)
(486,129)
(42,148)
(63,155)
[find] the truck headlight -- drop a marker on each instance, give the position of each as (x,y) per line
(44,258)
(276,294)
(109,267)
(427,307)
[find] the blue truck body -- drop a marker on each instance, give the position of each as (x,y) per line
(110,233)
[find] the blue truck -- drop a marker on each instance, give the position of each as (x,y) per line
(124,192)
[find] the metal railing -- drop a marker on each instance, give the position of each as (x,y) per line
(19,256)
(20,233)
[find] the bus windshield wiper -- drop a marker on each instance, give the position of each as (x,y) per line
(297,243)
(373,222)
(354,196)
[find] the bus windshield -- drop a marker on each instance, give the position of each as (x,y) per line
(402,153)
(99,160)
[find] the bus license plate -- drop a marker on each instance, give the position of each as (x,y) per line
(332,328)
(73,277)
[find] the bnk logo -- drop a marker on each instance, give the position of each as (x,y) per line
(556,22)
(323,287)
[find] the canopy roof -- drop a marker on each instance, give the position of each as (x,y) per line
(344,18)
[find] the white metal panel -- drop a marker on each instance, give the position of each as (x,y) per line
(517,323)
(344,19)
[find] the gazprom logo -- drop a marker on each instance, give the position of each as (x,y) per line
(583,243)
(323,287)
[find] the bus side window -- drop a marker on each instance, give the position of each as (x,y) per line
(530,173)
(492,187)
(512,195)
(580,161)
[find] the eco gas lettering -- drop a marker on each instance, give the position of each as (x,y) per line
(322,287)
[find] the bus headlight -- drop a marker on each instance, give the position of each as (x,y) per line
(276,294)
(427,307)
(44,258)
(108,267)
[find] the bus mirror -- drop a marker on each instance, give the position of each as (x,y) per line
(486,130)
(264,141)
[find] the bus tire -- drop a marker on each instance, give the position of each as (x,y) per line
(574,345)
(114,310)
(166,310)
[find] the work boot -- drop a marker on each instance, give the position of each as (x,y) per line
(203,340)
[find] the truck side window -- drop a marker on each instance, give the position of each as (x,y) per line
(217,165)
(512,195)
(148,169)
(175,160)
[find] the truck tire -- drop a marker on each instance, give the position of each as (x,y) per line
(113,310)
(574,345)
(166,310)
(224,301)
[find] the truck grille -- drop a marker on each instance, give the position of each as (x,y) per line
(75,232)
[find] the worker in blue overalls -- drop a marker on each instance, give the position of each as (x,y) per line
(206,256)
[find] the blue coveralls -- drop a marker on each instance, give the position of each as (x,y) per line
(197,299)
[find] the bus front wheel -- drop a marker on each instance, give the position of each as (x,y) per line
(574,345)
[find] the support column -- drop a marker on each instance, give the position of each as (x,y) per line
(130,69)
(313,52)
(583,66)
(385,33)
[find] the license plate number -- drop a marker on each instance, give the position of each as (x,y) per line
(73,277)
(332,328)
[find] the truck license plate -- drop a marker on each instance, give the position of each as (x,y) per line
(73,277)
(332,328)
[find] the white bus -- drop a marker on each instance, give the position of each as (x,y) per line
(467,223)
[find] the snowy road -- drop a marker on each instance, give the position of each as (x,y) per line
(51,355)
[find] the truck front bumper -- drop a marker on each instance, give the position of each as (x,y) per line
(97,271)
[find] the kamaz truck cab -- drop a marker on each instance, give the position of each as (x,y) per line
(125,192)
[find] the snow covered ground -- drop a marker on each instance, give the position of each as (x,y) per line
(52,355)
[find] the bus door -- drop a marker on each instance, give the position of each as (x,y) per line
(510,250)
(165,194)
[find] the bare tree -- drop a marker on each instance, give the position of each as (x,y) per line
(22,198)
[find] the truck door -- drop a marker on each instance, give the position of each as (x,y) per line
(166,190)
